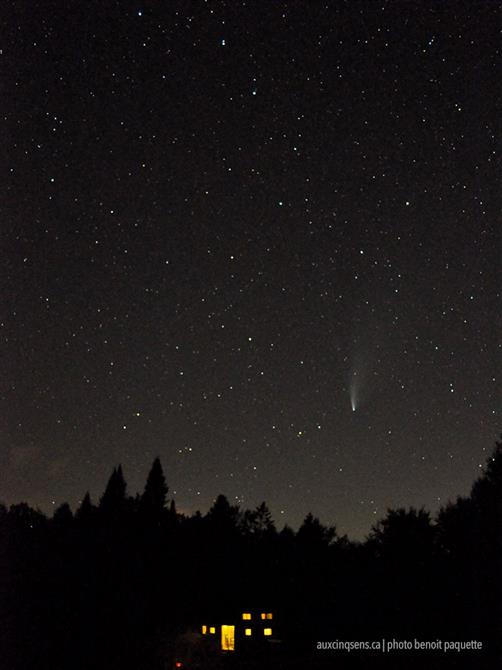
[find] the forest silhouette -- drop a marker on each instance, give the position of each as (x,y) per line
(118,583)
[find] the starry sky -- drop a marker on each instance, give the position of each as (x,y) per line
(257,239)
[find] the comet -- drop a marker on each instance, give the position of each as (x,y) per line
(353,391)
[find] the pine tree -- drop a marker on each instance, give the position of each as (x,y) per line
(114,498)
(257,522)
(223,517)
(153,500)
(313,533)
(86,509)
(63,515)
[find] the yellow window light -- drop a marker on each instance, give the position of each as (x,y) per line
(267,632)
(228,638)
(269,615)
(248,632)
(246,616)
(212,630)
(263,615)
(204,630)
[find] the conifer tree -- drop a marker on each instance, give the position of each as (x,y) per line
(153,500)
(114,497)
(86,509)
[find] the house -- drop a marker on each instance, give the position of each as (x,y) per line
(246,629)
(245,634)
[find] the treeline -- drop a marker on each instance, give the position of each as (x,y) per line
(112,585)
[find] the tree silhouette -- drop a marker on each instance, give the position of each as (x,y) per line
(313,533)
(223,517)
(114,498)
(25,517)
(403,534)
(486,560)
(474,524)
(401,548)
(486,493)
(257,522)
(86,509)
(63,515)
(153,500)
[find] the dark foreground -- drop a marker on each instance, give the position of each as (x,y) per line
(130,584)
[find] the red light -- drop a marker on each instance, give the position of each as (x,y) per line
(178,664)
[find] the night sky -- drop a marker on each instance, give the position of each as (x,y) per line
(257,239)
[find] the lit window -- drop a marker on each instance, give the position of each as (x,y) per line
(247,632)
(267,631)
(204,630)
(269,615)
(228,638)
(212,630)
(246,616)
(263,615)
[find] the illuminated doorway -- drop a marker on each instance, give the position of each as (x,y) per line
(228,638)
